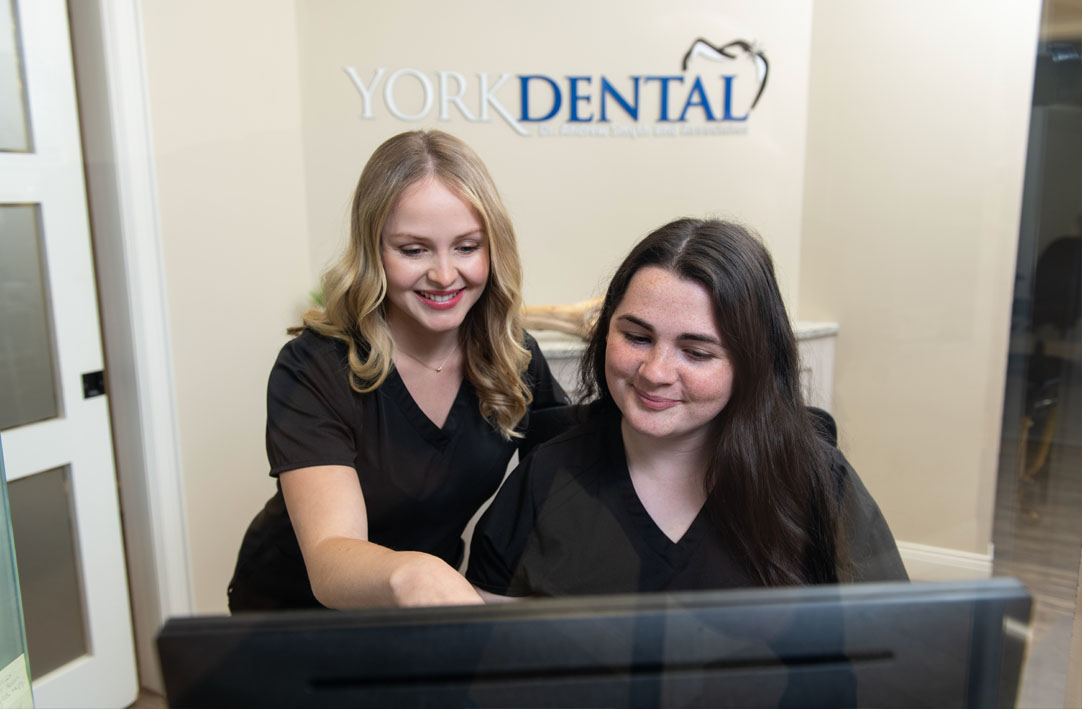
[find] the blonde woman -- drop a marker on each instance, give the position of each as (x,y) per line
(392,415)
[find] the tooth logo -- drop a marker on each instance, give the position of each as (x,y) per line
(738,58)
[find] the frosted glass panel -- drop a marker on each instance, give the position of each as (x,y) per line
(14,126)
(52,588)
(28,390)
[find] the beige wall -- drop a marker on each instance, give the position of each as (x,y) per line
(901,226)
(253,204)
(916,146)
(226,133)
(578,203)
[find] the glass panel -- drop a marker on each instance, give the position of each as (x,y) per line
(28,388)
(14,124)
(1038,528)
(43,525)
(14,670)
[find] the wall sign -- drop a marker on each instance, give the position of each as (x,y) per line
(714,93)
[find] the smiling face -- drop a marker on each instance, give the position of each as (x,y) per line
(435,255)
(665,363)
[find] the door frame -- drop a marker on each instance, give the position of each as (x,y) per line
(110,68)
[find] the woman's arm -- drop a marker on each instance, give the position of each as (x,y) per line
(326,507)
(868,542)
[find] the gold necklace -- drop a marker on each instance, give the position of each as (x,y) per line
(426,365)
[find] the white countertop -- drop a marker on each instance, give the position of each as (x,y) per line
(556,344)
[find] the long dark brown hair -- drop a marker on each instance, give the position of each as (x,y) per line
(769,485)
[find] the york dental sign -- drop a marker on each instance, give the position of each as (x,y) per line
(715,93)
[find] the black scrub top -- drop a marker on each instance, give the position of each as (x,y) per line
(421,483)
(568,521)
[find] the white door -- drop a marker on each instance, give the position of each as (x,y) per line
(54,420)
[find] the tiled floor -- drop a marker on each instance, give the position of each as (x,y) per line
(1038,537)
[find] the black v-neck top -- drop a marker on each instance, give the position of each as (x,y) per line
(568,521)
(421,483)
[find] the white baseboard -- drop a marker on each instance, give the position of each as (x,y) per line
(928,563)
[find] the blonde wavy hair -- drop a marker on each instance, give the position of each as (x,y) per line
(355,285)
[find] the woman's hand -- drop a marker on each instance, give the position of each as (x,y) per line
(424,580)
(496,598)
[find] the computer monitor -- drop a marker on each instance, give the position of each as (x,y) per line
(956,644)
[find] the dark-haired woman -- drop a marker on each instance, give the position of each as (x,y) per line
(698,465)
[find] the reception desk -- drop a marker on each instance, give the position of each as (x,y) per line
(815,340)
